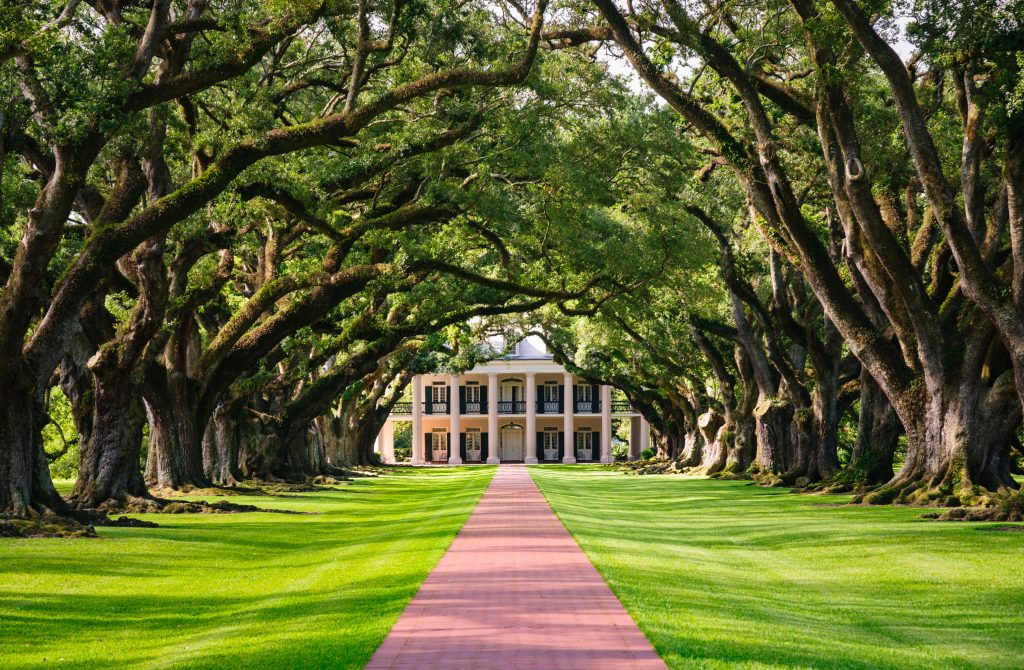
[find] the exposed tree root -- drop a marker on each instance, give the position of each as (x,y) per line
(44,526)
(666,466)
(651,466)
(729,473)
(764,477)
(1007,507)
(154,505)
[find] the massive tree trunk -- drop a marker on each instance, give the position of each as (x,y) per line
(25,485)
(221,446)
(175,458)
(959,437)
(26,489)
(742,447)
(304,454)
(715,430)
(878,435)
(816,428)
(354,426)
(108,465)
(693,448)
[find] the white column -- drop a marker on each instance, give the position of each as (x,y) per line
(493,439)
(645,433)
(531,418)
(606,424)
(567,426)
(455,455)
(634,438)
(417,420)
(387,442)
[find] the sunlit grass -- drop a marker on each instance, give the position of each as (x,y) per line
(722,574)
(236,590)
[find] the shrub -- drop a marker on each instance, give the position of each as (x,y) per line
(375,459)
(647,454)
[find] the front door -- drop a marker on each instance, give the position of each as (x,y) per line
(550,445)
(512,444)
(473,446)
(584,446)
(439,447)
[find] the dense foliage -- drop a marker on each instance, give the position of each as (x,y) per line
(232,231)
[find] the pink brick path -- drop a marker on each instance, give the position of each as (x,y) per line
(514,591)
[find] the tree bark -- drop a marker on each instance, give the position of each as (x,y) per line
(878,434)
(108,465)
(221,446)
(175,433)
(715,430)
(25,485)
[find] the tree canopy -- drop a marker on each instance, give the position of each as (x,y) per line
(792,233)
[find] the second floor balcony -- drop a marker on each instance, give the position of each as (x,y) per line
(480,408)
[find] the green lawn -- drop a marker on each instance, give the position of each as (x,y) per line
(236,590)
(721,574)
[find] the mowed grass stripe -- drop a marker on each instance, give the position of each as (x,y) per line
(254,590)
(722,574)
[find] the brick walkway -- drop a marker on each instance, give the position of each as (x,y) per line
(514,591)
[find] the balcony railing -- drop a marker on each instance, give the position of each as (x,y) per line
(402,408)
(621,407)
(436,408)
(516,407)
(588,406)
(552,407)
(474,408)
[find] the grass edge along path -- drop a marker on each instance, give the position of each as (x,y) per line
(252,590)
(722,574)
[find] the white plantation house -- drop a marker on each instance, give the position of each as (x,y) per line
(523,407)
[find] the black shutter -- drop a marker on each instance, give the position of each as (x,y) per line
(561,399)
(462,446)
(483,445)
(595,445)
(540,446)
(428,448)
(462,399)
(595,398)
(429,400)
(561,445)
(483,399)
(575,397)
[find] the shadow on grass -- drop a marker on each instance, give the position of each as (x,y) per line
(720,574)
(247,590)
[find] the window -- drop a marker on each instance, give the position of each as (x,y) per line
(584,393)
(439,392)
(550,391)
(472,393)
